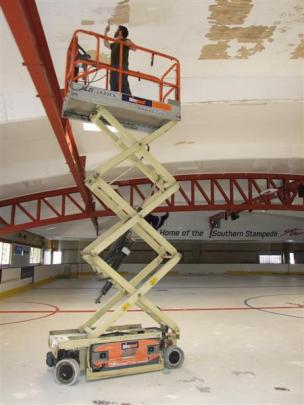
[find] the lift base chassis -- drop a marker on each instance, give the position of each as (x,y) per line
(123,350)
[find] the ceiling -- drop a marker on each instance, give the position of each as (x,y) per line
(242,88)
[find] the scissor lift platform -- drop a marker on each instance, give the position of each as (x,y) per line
(98,346)
(132,112)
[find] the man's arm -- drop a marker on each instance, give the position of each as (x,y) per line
(105,41)
(130,44)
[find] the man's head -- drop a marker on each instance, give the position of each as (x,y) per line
(122,32)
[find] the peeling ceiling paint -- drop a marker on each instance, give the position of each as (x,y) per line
(223,15)
(87,22)
(121,13)
(215,51)
(253,34)
(184,143)
(226,12)
(298,53)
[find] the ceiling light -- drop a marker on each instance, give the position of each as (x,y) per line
(269,191)
(89,126)
(52,227)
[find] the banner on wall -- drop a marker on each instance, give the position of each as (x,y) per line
(248,227)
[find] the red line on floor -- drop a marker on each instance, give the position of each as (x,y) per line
(49,313)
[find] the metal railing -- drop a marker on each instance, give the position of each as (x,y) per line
(93,65)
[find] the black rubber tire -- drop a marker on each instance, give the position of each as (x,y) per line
(173,357)
(67,371)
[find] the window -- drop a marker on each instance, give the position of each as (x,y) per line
(35,255)
(270,259)
(47,257)
(5,253)
(57,257)
(292,258)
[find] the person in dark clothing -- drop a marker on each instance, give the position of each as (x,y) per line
(156,221)
(121,34)
(121,248)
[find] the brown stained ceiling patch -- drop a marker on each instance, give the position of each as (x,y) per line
(103,57)
(215,51)
(245,53)
(226,18)
(253,37)
(121,13)
(184,143)
(298,53)
(230,12)
(252,34)
(87,22)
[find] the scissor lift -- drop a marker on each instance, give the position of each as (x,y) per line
(99,347)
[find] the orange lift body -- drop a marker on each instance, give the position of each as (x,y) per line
(125,354)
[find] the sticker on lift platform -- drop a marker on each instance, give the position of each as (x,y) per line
(129,345)
(145,102)
(137,100)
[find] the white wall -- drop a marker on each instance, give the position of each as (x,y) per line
(10,285)
(44,272)
(11,276)
(223,268)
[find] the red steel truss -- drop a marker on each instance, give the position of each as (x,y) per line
(24,21)
(231,192)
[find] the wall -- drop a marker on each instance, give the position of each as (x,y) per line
(201,256)
(11,278)
(196,252)
(223,268)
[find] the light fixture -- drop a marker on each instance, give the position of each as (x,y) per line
(89,126)
(292,258)
(268,191)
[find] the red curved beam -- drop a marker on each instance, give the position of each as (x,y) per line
(230,192)
(24,21)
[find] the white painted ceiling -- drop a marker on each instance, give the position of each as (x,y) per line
(242,87)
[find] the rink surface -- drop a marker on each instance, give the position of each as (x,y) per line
(242,337)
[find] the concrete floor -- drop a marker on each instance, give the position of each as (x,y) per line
(242,336)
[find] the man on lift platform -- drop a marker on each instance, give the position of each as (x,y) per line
(121,34)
